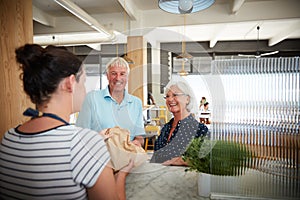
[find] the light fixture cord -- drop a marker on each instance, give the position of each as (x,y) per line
(183,40)
(117,50)
(183,43)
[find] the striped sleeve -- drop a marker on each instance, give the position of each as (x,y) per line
(89,156)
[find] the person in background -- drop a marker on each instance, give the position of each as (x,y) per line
(202,102)
(204,116)
(150,101)
(46,157)
(206,107)
(114,106)
(176,135)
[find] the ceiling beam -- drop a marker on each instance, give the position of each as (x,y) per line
(85,17)
(284,34)
(214,39)
(70,39)
(236,5)
(129,8)
(42,17)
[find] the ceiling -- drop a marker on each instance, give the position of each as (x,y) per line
(225,20)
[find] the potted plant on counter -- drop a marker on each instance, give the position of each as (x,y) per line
(219,158)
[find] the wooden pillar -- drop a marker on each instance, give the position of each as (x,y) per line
(137,51)
(16,30)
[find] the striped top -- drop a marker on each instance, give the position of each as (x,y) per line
(55,164)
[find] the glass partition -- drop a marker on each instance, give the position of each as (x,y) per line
(261,108)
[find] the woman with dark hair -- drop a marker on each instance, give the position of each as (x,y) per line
(46,157)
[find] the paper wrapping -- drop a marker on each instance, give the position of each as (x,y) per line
(122,149)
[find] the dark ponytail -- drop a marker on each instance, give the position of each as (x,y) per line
(44,68)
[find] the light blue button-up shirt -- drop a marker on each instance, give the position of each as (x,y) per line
(100,111)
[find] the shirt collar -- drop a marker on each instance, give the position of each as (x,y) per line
(127,97)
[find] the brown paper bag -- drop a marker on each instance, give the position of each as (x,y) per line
(122,149)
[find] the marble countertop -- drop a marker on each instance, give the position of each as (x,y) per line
(152,181)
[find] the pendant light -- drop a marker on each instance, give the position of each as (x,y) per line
(182,72)
(128,60)
(184,6)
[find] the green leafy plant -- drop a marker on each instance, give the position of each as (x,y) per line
(225,158)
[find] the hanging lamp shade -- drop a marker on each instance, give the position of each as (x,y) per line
(185,55)
(184,6)
(183,73)
(128,60)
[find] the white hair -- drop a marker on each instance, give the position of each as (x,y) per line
(182,84)
(117,61)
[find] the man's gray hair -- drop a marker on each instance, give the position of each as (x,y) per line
(117,61)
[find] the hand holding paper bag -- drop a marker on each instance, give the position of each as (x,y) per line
(122,149)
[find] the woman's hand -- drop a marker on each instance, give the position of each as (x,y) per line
(128,167)
(138,141)
(125,170)
(177,161)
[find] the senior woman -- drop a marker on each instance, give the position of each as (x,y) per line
(176,135)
